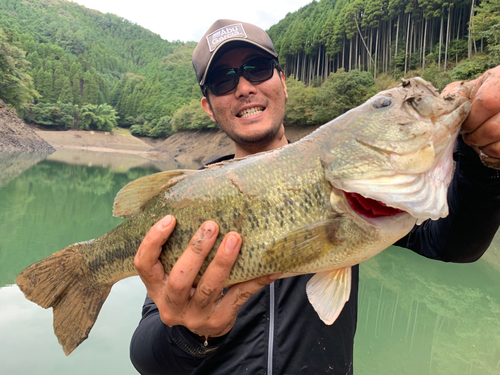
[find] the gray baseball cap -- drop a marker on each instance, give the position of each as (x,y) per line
(222,33)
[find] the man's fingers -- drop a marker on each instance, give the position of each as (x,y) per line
(186,268)
(149,250)
(461,88)
(238,294)
(227,306)
(490,155)
(214,278)
(485,100)
(486,134)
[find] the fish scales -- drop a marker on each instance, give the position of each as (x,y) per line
(260,215)
(330,201)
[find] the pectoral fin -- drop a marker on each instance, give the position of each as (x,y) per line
(133,197)
(328,292)
(303,245)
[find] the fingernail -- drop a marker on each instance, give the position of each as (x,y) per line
(165,222)
(208,231)
(231,243)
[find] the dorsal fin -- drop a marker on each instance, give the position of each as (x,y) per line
(132,198)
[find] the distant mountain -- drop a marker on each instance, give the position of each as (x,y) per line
(82,56)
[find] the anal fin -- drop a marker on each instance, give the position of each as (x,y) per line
(328,292)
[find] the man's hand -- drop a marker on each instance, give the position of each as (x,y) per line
(481,130)
(204,310)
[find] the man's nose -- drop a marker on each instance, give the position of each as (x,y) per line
(244,87)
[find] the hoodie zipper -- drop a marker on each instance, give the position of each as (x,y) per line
(271,330)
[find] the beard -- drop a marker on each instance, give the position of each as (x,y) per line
(257,139)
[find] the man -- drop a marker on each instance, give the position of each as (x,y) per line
(266,327)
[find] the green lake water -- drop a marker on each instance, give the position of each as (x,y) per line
(416,316)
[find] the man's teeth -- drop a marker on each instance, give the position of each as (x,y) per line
(250,111)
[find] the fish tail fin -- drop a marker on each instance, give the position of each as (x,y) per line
(61,281)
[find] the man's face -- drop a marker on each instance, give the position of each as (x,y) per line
(252,114)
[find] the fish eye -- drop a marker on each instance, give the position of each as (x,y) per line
(381,102)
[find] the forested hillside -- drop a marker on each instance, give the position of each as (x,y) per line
(387,36)
(84,64)
(63,65)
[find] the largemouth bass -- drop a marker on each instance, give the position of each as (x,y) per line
(332,200)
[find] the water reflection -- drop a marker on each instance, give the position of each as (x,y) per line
(419,316)
(45,208)
(416,316)
(13,163)
(117,161)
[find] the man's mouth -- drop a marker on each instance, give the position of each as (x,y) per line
(250,112)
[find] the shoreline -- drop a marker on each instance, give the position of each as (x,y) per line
(185,149)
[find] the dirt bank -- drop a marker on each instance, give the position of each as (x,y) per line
(203,146)
(188,149)
(120,141)
(20,146)
(16,136)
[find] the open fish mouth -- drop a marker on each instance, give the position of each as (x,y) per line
(423,195)
(370,208)
(413,179)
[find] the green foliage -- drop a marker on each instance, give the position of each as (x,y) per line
(438,79)
(66,94)
(486,24)
(470,69)
(16,87)
(191,117)
(163,128)
(98,117)
(52,115)
(90,90)
(300,103)
(100,54)
(341,92)
(385,82)
(66,115)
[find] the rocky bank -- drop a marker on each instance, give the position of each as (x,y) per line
(20,146)
(16,136)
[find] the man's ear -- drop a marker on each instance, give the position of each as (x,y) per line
(282,76)
(207,108)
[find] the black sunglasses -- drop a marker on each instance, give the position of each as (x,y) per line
(223,81)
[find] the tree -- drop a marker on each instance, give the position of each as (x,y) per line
(486,24)
(191,117)
(341,92)
(76,89)
(16,87)
(163,128)
(98,117)
(105,117)
(90,89)
(300,104)
(66,95)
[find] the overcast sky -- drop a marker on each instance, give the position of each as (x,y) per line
(187,20)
